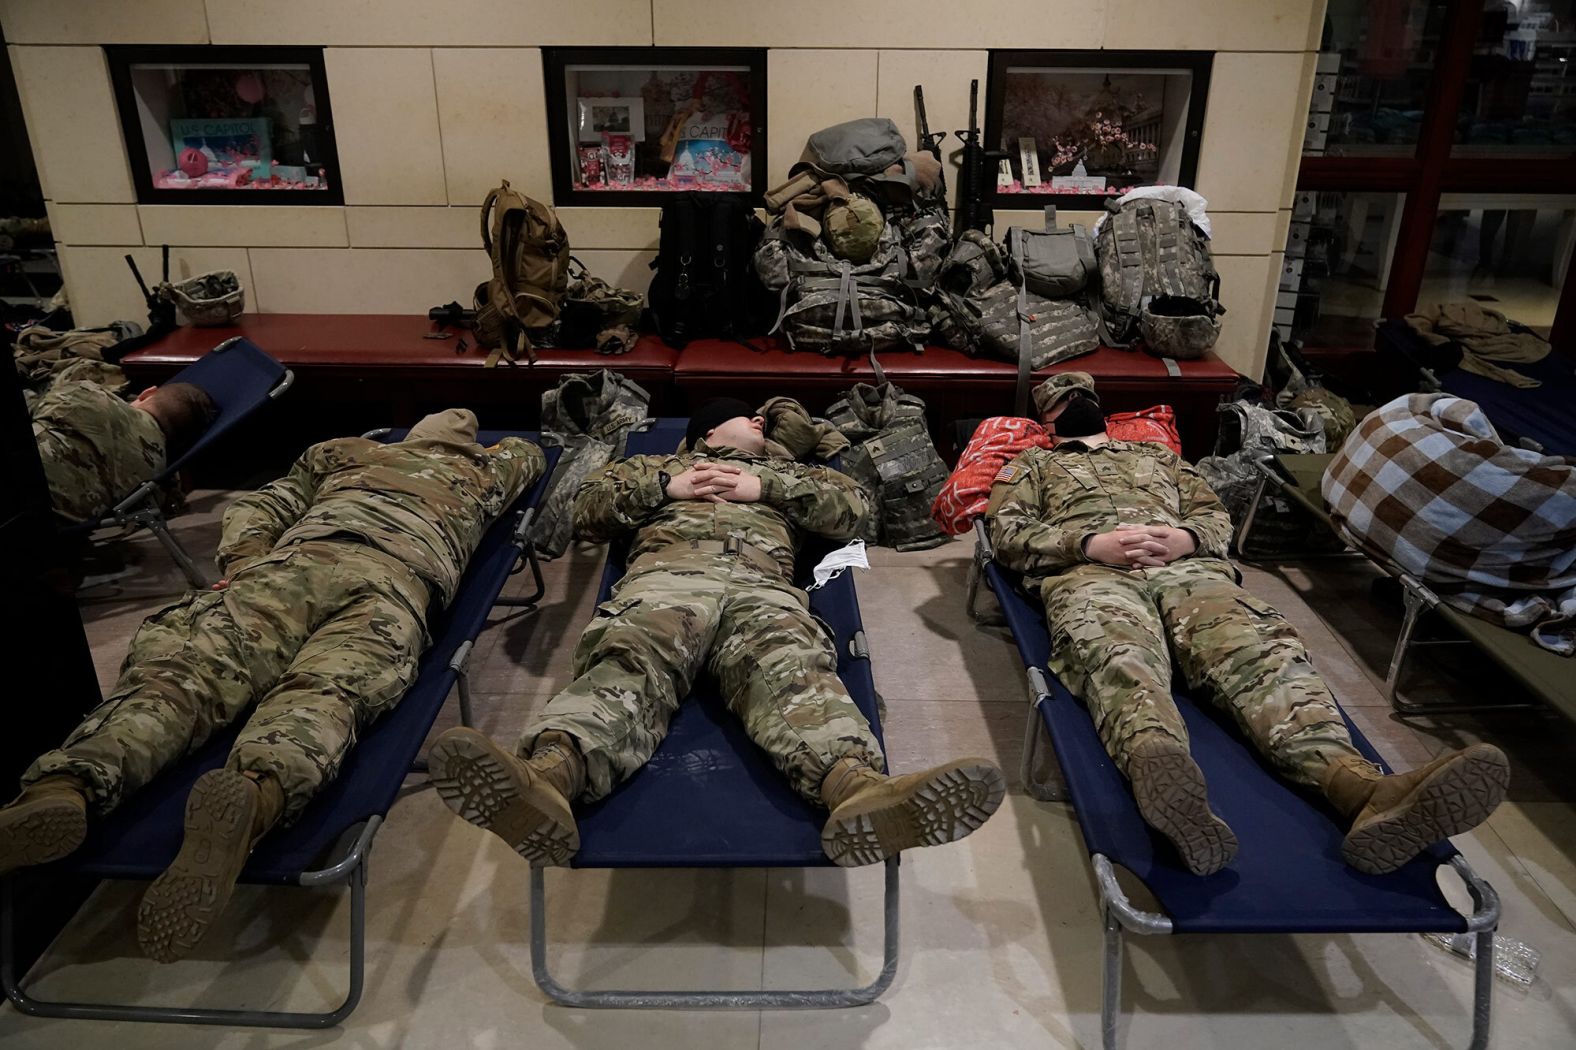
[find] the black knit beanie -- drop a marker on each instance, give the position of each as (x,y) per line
(713,414)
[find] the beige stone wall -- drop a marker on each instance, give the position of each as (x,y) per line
(434,102)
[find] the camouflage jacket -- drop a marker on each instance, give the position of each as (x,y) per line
(627,497)
(1048,501)
(426,503)
(95,447)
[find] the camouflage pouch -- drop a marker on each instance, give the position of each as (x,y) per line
(591,306)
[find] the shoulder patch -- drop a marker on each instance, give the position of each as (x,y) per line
(1009,474)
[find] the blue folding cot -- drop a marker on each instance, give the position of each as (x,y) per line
(1287,877)
(329,844)
(710,798)
(241,379)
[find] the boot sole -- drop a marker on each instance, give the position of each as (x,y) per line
(945,807)
(39,831)
(183,902)
(1174,800)
(1452,800)
(485,785)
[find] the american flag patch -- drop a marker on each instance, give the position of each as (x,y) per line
(1006,473)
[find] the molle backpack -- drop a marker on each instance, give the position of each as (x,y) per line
(1149,249)
(703,285)
(530,260)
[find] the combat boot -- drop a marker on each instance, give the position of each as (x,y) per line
(226,813)
(1396,817)
(525,802)
(874,816)
(47,821)
(1174,800)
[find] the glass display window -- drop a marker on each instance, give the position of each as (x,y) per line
(1080,127)
(631,125)
(206,125)
(1371,81)
(1520,92)
(1509,252)
(1337,266)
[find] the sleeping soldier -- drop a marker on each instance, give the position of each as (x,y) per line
(96,447)
(331,574)
(1127,545)
(713,534)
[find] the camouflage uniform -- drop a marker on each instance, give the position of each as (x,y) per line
(680,609)
(332,570)
(95,447)
(1110,626)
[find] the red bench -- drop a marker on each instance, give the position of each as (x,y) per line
(354,368)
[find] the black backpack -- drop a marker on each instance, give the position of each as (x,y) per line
(704,284)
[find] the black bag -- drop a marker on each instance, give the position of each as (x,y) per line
(704,284)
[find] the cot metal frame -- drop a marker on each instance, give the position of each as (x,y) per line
(818,998)
(1416,599)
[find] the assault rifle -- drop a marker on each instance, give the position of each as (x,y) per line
(930,143)
(978,176)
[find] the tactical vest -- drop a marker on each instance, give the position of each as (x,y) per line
(589,415)
(1248,431)
(530,261)
(894,462)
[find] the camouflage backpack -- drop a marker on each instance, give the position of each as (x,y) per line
(894,461)
(983,307)
(835,306)
(530,261)
(593,309)
(1149,250)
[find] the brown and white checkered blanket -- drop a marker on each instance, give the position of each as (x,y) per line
(1426,484)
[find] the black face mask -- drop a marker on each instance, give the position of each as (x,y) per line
(1081,418)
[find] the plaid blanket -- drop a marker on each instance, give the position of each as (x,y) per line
(1426,484)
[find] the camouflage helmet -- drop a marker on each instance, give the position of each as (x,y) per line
(208,299)
(1058,386)
(1177,326)
(853,228)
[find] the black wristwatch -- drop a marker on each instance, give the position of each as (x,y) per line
(663,479)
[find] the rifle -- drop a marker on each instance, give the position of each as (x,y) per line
(161,310)
(979,171)
(930,143)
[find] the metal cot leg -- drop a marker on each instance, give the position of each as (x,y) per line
(1111,996)
(153,520)
(1240,540)
(1414,609)
(714,1000)
(1483,989)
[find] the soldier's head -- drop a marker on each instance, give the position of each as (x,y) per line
(727,422)
(184,411)
(1069,407)
(452,426)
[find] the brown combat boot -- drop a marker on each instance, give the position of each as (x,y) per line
(226,813)
(875,816)
(1173,799)
(47,821)
(525,802)
(1396,817)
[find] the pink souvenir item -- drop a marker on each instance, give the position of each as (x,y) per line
(249,88)
(193,162)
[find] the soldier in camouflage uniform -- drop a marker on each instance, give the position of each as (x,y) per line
(1126,545)
(96,447)
(713,531)
(330,574)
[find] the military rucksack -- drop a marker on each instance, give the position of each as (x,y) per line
(894,461)
(591,306)
(834,306)
(703,285)
(530,261)
(1149,248)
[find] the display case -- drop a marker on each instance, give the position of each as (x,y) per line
(1082,127)
(634,125)
(226,125)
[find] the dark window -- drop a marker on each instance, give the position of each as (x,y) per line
(1080,127)
(227,125)
(631,125)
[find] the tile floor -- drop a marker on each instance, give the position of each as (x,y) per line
(1001,937)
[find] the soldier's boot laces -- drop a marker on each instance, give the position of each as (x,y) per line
(226,813)
(525,802)
(47,821)
(874,816)
(1174,800)
(1396,817)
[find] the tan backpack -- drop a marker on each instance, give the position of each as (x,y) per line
(530,261)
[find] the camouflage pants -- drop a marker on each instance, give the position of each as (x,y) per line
(325,635)
(677,614)
(1109,633)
